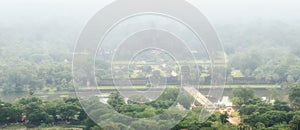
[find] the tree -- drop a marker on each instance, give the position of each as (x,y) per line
(35,111)
(238,102)
(90,124)
(148,112)
(69,109)
(247,62)
(224,117)
(38,117)
(248,109)
(243,126)
(294,96)
(295,123)
(116,101)
(271,118)
(95,128)
(260,125)
(186,100)
(145,124)
(242,96)
(281,106)
(9,113)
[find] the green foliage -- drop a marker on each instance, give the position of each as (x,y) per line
(242,96)
(116,101)
(34,110)
(281,106)
(9,113)
(294,96)
(295,123)
(243,126)
(166,99)
(186,100)
(145,124)
(271,118)
(22,77)
(224,117)
(248,109)
(257,114)
(260,125)
(250,61)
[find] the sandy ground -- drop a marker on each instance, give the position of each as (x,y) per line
(231,119)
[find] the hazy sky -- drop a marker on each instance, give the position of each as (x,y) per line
(216,10)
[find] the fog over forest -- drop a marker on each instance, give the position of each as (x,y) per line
(262,49)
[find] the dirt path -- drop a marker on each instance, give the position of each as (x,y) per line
(230,111)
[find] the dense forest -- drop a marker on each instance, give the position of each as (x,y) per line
(40,59)
(255,113)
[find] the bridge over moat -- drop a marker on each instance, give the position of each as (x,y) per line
(200,98)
